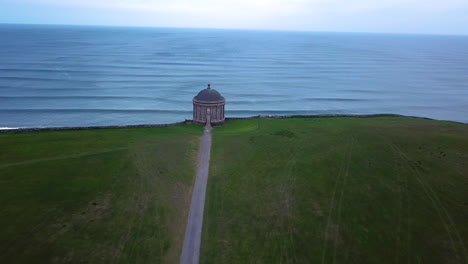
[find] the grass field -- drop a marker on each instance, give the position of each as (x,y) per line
(337,190)
(96,196)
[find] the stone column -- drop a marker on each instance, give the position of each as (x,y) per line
(208,115)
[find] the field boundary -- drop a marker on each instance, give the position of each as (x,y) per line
(328,115)
(32,129)
(188,121)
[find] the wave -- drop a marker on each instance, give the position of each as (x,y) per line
(258,95)
(65,97)
(97,110)
(93,82)
(111,78)
(318,66)
(267,100)
(43,79)
(154,99)
(174,111)
(338,99)
(112,65)
(283,112)
(74,88)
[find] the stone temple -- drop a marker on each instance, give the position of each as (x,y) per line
(208,107)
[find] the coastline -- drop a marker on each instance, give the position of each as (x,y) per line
(188,121)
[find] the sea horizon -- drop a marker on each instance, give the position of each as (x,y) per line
(234,29)
(75,75)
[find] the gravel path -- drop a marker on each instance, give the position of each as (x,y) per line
(191,247)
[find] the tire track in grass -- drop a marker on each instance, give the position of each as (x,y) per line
(24,238)
(122,244)
(340,199)
(400,206)
(399,181)
(284,222)
(123,241)
(53,215)
(143,199)
(403,193)
(407,194)
(74,156)
(399,209)
(408,222)
(332,203)
(432,196)
(408,212)
(444,216)
(290,176)
(407,209)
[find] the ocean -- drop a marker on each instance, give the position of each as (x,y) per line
(52,76)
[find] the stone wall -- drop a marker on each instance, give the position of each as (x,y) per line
(91,127)
(191,121)
(317,116)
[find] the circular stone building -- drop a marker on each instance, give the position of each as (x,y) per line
(208,106)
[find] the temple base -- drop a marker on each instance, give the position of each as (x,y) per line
(217,123)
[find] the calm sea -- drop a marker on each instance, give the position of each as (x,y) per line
(80,76)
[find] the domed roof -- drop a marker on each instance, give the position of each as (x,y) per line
(209,95)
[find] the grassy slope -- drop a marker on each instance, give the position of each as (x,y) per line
(96,196)
(337,190)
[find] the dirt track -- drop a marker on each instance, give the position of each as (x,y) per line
(191,247)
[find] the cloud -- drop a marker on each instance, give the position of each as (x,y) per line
(334,15)
(258,5)
(186,6)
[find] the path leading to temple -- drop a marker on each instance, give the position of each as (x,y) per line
(193,231)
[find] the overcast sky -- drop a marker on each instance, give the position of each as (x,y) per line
(399,16)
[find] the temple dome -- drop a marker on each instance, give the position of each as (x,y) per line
(208,107)
(209,95)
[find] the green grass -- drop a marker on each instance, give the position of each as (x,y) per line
(96,196)
(337,190)
(304,190)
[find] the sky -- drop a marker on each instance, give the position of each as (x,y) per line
(385,16)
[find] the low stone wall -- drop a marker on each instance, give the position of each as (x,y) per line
(191,121)
(90,127)
(317,116)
